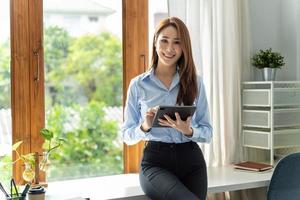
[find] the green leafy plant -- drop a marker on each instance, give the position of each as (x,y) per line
(50,143)
(92,147)
(268,59)
(26,158)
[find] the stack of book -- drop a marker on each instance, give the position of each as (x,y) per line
(252,166)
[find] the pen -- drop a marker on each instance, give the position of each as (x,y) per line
(11,189)
(3,190)
(14,184)
(27,186)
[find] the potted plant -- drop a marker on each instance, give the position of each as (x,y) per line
(29,160)
(49,145)
(268,61)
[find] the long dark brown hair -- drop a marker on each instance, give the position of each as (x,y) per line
(188,90)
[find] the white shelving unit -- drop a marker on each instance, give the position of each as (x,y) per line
(271,115)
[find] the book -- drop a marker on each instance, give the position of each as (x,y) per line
(252,166)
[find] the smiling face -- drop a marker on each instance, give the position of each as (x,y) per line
(168,47)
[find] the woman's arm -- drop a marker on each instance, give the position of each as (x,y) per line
(131,129)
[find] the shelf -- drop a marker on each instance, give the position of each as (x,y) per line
(271,115)
(263,97)
(256,139)
(270,82)
(287,117)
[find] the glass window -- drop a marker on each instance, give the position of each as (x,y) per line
(5,101)
(83,75)
(158,9)
(93,19)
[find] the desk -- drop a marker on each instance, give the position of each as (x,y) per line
(126,186)
(222,179)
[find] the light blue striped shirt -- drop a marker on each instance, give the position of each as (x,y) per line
(147,91)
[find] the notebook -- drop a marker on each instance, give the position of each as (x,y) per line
(252,166)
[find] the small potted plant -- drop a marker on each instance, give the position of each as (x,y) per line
(28,160)
(268,61)
(49,146)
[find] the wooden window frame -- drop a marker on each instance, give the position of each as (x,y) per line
(135,60)
(27,78)
(27,73)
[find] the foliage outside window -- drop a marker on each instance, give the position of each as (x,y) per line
(4,75)
(83,77)
(5,96)
(89,65)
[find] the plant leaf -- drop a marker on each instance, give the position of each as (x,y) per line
(28,158)
(16,145)
(47,134)
(62,140)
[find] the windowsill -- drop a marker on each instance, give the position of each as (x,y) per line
(220,179)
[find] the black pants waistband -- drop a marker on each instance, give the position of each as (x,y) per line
(164,145)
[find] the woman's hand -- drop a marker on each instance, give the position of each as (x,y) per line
(180,125)
(147,124)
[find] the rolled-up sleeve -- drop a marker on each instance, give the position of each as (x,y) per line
(131,131)
(202,129)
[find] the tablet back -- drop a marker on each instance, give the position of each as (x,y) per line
(184,112)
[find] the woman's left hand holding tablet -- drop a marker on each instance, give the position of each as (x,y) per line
(180,125)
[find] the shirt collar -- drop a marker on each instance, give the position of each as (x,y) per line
(151,75)
(175,80)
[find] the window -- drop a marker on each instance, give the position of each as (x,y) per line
(5,101)
(93,19)
(158,10)
(83,90)
(28,72)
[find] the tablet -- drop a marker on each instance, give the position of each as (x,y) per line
(184,112)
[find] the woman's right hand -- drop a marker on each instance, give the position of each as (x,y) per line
(149,116)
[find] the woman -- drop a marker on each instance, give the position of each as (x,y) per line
(173,166)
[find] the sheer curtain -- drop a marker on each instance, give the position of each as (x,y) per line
(215,29)
(220,42)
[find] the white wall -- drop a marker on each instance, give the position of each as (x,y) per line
(276,24)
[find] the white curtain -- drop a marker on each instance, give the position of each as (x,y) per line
(220,42)
(216,34)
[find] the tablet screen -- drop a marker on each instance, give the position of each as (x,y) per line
(184,112)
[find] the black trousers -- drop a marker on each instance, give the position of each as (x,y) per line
(173,171)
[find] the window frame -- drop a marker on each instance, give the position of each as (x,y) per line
(27,73)
(135,59)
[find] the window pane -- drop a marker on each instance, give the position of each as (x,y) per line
(5,104)
(83,74)
(158,9)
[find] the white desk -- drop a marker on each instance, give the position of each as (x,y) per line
(222,179)
(126,186)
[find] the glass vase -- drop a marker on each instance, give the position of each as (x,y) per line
(44,164)
(28,173)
